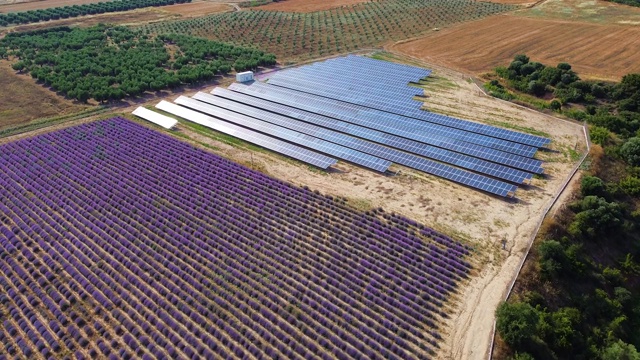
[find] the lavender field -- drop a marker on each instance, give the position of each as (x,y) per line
(117,241)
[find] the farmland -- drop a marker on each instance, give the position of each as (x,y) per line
(309,35)
(252,265)
(579,43)
(305,6)
(14,6)
(106,56)
(16,102)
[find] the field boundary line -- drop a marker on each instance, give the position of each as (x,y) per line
(534,235)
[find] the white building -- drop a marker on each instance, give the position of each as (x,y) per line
(244,76)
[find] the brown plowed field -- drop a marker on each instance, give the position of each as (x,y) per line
(34,5)
(594,50)
(306,6)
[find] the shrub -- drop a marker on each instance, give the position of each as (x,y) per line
(555,104)
(630,151)
(592,185)
(630,185)
(595,216)
(517,322)
(599,135)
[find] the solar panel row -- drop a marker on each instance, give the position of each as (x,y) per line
(284,116)
(387,66)
(312,142)
(405,106)
(477,181)
(368,81)
(349,113)
(495,143)
(152,116)
(293,151)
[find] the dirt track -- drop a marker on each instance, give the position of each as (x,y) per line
(306,6)
(594,50)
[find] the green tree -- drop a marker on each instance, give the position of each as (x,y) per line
(552,258)
(630,151)
(517,322)
(595,216)
(592,185)
(620,350)
(522,58)
(599,135)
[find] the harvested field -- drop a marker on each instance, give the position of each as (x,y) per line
(200,8)
(306,6)
(594,50)
(23,100)
(602,12)
(9,6)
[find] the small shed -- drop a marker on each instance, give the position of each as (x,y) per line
(244,76)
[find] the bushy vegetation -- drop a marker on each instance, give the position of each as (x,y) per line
(339,30)
(579,295)
(110,63)
(627,2)
(614,107)
(65,12)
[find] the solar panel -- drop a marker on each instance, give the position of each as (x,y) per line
(460,176)
(334,130)
(351,113)
(436,129)
(152,116)
(375,98)
(295,137)
(351,71)
(296,152)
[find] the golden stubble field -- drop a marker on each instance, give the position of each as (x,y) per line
(599,39)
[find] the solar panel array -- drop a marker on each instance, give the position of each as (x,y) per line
(296,152)
(362,111)
(295,137)
(384,145)
(375,120)
(381,92)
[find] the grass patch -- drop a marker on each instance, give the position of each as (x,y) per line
(42,123)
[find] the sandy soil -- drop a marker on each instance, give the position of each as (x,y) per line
(594,50)
(17,5)
(305,6)
(23,100)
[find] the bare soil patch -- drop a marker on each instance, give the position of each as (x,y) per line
(307,6)
(11,6)
(23,100)
(200,8)
(594,50)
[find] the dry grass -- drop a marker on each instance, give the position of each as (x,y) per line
(23,100)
